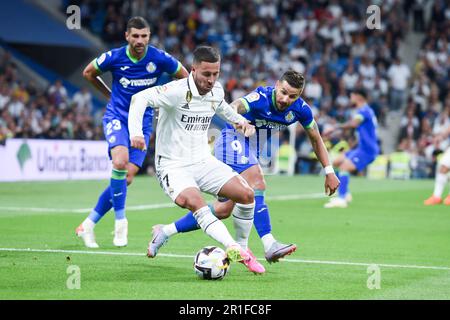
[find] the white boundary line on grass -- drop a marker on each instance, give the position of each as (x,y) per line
(191,257)
(157,205)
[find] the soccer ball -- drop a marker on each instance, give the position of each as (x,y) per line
(211,263)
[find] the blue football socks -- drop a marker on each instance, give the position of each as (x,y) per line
(119,192)
(344,177)
(104,204)
(261,217)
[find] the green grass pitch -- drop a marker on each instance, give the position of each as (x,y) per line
(386,225)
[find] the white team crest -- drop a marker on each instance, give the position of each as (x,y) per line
(289,116)
(252,97)
(151,67)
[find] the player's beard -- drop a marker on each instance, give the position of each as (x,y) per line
(139,49)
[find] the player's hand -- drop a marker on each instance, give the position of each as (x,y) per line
(246,128)
(331,184)
(138,143)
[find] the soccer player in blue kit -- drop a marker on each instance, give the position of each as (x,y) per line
(269,109)
(134,67)
(358,158)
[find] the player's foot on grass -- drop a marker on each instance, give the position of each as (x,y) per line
(279,250)
(121,233)
(348,197)
(235,253)
(159,238)
(432,201)
(447,200)
(252,264)
(336,203)
(88,236)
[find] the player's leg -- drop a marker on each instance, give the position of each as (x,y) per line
(218,179)
(104,204)
(118,183)
(221,209)
(181,186)
(274,250)
(345,167)
(191,199)
(440,181)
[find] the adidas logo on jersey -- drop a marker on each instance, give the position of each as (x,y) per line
(186,106)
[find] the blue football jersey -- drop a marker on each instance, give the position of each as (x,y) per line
(129,76)
(263,114)
(240,152)
(367,130)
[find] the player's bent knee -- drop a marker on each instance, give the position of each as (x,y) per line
(259,184)
(190,202)
(247,196)
(120,164)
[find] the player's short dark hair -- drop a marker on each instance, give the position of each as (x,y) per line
(206,54)
(294,79)
(137,23)
(360,91)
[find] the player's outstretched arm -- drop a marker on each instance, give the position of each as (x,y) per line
(91,74)
(239,106)
(331,180)
(226,112)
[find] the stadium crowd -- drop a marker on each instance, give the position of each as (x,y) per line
(29,111)
(328,41)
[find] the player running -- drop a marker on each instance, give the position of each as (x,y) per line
(134,67)
(184,164)
(358,158)
(269,109)
(441,174)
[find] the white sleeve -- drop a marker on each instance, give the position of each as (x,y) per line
(226,112)
(155,97)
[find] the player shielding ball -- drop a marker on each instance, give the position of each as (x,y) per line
(184,165)
(134,67)
(269,109)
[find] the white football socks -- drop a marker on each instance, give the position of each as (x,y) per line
(439,184)
(213,227)
(267,240)
(88,224)
(170,229)
(243,222)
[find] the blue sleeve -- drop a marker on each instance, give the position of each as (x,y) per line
(253,100)
(305,116)
(168,63)
(104,62)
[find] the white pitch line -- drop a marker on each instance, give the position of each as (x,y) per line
(157,205)
(170,255)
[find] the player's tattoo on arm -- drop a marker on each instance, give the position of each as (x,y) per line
(239,106)
(317,143)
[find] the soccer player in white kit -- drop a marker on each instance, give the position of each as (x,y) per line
(184,164)
(441,174)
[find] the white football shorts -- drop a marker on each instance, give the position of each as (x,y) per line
(445,158)
(208,176)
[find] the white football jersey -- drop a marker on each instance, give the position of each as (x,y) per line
(184,118)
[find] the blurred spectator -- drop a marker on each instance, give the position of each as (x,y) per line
(398,74)
(83,100)
(58,94)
